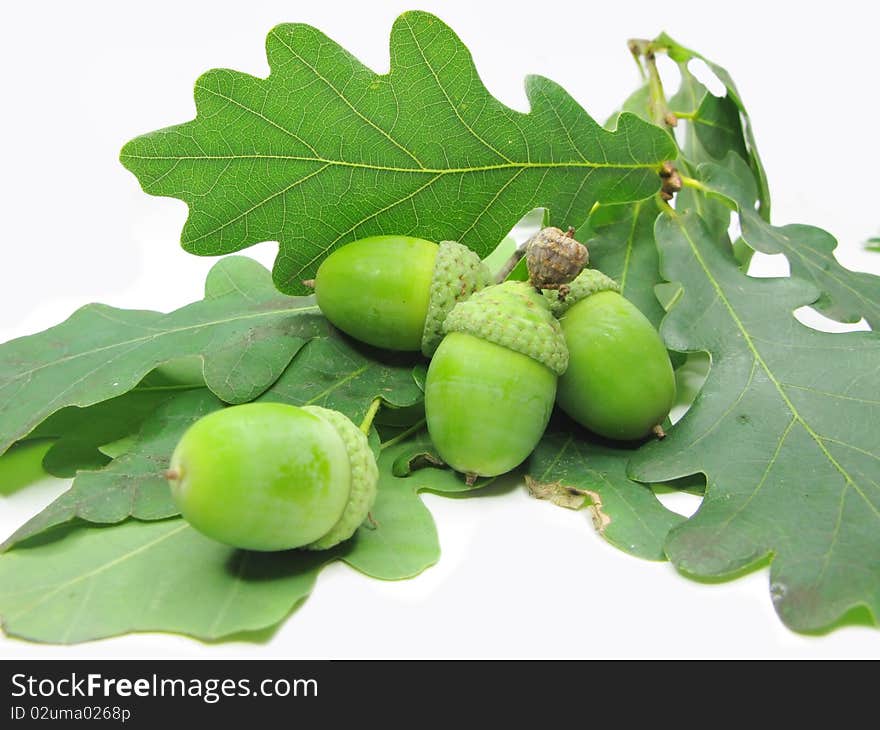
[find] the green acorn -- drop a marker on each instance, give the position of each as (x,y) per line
(490,387)
(619,383)
(272,476)
(394,292)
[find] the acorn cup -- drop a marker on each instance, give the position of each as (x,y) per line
(394,292)
(491,385)
(619,383)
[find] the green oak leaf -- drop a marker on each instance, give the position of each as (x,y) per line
(81,432)
(621,237)
(331,371)
(847,296)
(705,142)
(324,151)
(245,337)
(335,371)
(78,583)
(689,96)
(717,128)
(682,56)
(622,246)
(873,244)
(625,513)
(22,465)
(402,540)
(783,429)
(134,485)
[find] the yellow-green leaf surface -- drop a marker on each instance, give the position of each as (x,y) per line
(78,582)
(324,151)
(244,331)
(784,430)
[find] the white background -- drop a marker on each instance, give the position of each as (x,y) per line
(517,578)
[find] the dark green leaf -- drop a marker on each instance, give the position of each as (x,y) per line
(623,247)
(81,583)
(81,432)
(682,56)
(784,430)
(847,296)
(402,541)
(325,151)
(689,96)
(418,458)
(624,512)
(245,336)
(134,485)
(337,372)
(704,142)
(717,127)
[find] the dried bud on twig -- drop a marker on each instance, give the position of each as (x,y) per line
(671,181)
(554,258)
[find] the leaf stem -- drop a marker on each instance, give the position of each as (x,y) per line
(415,428)
(635,48)
(690,182)
(700,186)
(660,111)
(367,423)
(665,207)
(661,114)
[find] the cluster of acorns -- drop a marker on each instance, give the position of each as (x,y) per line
(266,476)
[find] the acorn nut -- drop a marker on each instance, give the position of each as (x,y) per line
(394,292)
(619,382)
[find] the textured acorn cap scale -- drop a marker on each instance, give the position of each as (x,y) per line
(364,478)
(515,316)
(587,283)
(458,273)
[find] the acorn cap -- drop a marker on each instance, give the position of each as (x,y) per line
(513,315)
(587,283)
(458,273)
(364,478)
